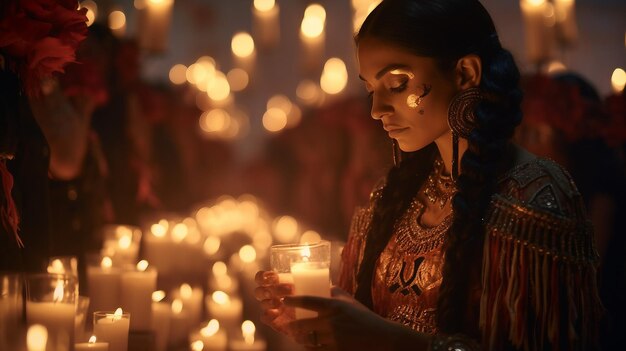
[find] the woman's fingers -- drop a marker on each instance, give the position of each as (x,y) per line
(266,278)
(271,304)
(273,291)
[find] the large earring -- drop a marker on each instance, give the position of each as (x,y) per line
(462,120)
(397,153)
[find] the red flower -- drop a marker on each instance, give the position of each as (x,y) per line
(40,37)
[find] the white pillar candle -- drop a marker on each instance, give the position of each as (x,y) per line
(156,24)
(310,278)
(113,328)
(213,338)
(160,320)
(157,248)
(313,36)
(192,302)
(136,291)
(179,327)
(103,284)
(539,37)
(248,341)
(92,345)
(226,309)
(58,318)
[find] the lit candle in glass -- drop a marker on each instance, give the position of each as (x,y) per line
(112,328)
(92,345)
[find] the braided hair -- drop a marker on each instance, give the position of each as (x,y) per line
(448,30)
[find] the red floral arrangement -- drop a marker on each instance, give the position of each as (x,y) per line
(38,37)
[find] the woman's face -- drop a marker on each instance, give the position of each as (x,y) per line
(410,94)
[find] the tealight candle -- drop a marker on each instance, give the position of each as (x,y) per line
(112,328)
(249,343)
(137,287)
(92,345)
(211,336)
(103,283)
(160,320)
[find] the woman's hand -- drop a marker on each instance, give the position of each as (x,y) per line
(342,324)
(270,294)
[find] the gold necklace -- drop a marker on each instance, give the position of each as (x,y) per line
(439,186)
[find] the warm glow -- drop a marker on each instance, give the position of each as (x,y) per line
(238,79)
(117,20)
(315,10)
(310,237)
(158,230)
(286,229)
(536,2)
(221,298)
(92,339)
(56,266)
(223,282)
(219,268)
(262,240)
(177,306)
(334,77)
(264,5)
(36,337)
(124,242)
(211,245)
(160,2)
(158,296)
(118,314)
(242,44)
(179,232)
(312,27)
(178,74)
(247,330)
(211,328)
(140,4)
(57,296)
(618,80)
(247,253)
(294,117)
(274,119)
(308,91)
(556,67)
(186,291)
(218,88)
(197,345)
(280,101)
(106,262)
(216,120)
(91,17)
(142,265)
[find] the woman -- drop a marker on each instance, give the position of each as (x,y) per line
(470,242)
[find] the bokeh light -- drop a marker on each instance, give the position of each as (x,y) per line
(238,79)
(178,74)
(242,44)
(334,77)
(274,119)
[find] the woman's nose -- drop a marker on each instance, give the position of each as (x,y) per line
(380,108)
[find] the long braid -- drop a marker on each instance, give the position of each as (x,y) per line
(496,117)
(401,186)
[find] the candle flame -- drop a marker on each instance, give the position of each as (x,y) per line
(618,80)
(264,5)
(220,268)
(36,337)
(186,291)
(536,2)
(142,265)
(177,306)
(197,345)
(221,298)
(106,262)
(211,328)
(57,296)
(158,296)
(248,329)
(56,266)
(305,252)
(247,253)
(124,242)
(118,314)
(92,339)
(179,232)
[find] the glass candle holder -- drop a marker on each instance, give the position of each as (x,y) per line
(51,302)
(11,310)
(66,265)
(112,327)
(307,267)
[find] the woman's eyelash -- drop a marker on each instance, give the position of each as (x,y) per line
(399,88)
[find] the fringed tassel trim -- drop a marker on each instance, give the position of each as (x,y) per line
(8,210)
(352,253)
(539,280)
